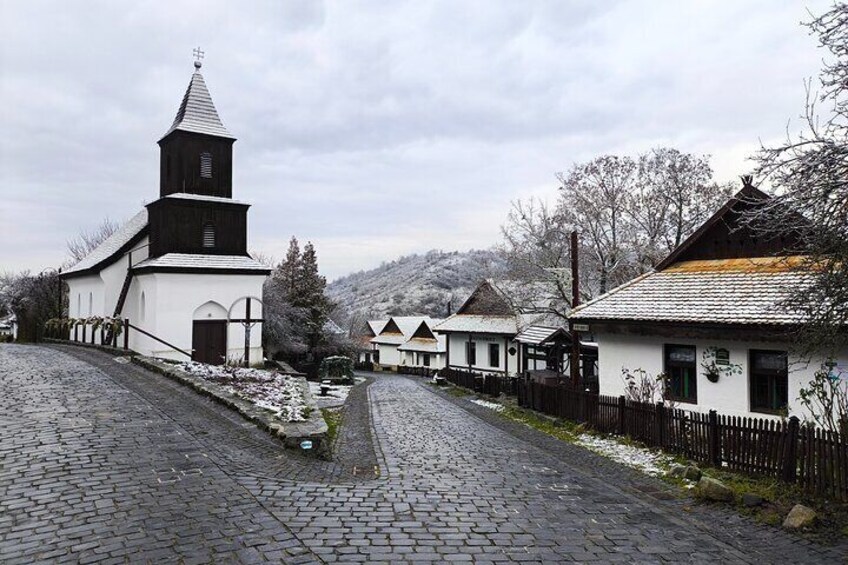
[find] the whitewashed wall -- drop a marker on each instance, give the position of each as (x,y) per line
(86,296)
(389,355)
(172,301)
(730,395)
(456,344)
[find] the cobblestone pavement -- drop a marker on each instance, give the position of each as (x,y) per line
(103,461)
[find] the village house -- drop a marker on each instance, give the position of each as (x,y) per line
(368,352)
(397,332)
(179,270)
(710,317)
(490,335)
(424,349)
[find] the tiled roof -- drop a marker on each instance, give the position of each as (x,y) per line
(474,323)
(425,345)
(204,198)
(112,244)
(197,112)
(407,326)
(729,291)
(190,261)
(535,335)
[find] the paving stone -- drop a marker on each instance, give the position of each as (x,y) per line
(108,462)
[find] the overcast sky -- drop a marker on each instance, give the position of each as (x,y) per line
(376,128)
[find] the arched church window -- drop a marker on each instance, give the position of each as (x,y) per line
(206,165)
(90,303)
(142,307)
(79,304)
(208,235)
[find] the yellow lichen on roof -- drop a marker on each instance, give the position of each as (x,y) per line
(743,265)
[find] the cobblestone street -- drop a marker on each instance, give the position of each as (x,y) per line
(106,462)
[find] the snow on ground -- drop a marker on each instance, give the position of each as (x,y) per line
(638,457)
(486,404)
(281,394)
(336,396)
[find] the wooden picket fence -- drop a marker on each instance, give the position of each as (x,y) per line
(811,457)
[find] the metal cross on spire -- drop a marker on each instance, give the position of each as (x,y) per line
(198,55)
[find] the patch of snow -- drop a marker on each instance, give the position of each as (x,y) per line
(278,393)
(336,395)
(637,457)
(486,404)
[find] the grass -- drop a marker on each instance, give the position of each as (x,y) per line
(779,497)
(333,417)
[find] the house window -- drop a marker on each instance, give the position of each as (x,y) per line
(471,353)
(494,355)
(206,165)
(425,359)
(769,384)
(208,235)
(682,373)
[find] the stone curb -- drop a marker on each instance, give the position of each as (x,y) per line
(105,348)
(291,433)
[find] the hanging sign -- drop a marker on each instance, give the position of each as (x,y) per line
(722,357)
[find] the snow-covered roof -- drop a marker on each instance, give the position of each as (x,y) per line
(113,244)
(424,345)
(377,325)
(725,291)
(204,198)
(407,326)
(477,323)
(191,261)
(197,112)
(536,335)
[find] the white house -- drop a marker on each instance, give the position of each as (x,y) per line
(424,348)
(710,318)
(396,332)
(368,352)
(179,270)
(9,327)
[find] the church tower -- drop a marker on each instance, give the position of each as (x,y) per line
(196,153)
(195,213)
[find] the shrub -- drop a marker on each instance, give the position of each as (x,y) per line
(337,368)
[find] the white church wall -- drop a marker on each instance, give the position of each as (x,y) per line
(86,296)
(173,299)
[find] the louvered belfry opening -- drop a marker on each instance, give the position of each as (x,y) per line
(206,165)
(208,236)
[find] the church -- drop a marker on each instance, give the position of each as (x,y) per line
(179,270)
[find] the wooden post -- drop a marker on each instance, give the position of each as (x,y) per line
(790,454)
(247,333)
(102,334)
(660,423)
(84,330)
(126,333)
(575,301)
(714,441)
(621,411)
(76,335)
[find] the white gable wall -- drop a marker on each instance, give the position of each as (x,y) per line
(730,395)
(457,346)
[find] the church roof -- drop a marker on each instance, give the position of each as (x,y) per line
(113,245)
(190,261)
(197,113)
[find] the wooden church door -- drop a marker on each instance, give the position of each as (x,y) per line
(209,341)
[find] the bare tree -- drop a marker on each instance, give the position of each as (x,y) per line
(87,241)
(265,258)
(810,209)
(594,197)
(674,194)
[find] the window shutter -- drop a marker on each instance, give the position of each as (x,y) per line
(206,165)
(208,235)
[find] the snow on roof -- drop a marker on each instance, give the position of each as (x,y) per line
(477,323)
(377,325)
(407,326)
(536,335)
(190,261)
(204,198)
(112,244)
(726,291)
(197,112)
(425,345)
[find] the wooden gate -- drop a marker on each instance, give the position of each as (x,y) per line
(209,341)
